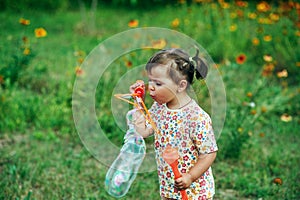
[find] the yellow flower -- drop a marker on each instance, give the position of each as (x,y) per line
(252,15)
(40,32)
(274,17)
(24,21)
(26,51)
(263,6)
(265,20)
(298,64)
(159,44)
(225,5)
(175,23)
(286,117)
(268,58)
(133,23)
(267,38)
(80,60)
(233,27)
(233,15)
(282,74)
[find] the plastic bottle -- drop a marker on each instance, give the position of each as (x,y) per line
(124,169)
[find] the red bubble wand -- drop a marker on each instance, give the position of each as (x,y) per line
(171,156)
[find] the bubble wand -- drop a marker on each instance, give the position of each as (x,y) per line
(138,94)
(170,155)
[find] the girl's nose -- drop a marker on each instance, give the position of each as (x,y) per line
(151,87)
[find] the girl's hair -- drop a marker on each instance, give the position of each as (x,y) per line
(181,65)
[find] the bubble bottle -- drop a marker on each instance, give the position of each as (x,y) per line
(124,169)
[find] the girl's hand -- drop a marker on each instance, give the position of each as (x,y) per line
(136,85)
(184,181)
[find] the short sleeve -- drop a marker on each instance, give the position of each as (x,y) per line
(203,135)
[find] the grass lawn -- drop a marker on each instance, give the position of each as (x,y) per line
(256,51)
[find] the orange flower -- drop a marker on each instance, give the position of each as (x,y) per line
(268,69)
(286,117)
(40,32)
(263,109)
(78,71)
(175,23)
(241,59)
(24,21)
(133,23)
(1,79)
(261,135)
(277,181)
(249,94)
(253,112)
(128,63)
(255,41)
(263,6)
(282,74)
(267,38)
(241,3)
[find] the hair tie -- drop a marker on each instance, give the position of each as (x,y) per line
(193,62)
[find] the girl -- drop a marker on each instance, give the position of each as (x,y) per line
(180,123)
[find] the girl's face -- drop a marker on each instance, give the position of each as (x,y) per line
(161,87)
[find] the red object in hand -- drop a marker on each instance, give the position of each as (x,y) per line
(140,90)
(171,156)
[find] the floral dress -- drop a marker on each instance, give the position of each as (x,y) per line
(188,129)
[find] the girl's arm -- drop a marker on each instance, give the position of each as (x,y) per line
(203,163)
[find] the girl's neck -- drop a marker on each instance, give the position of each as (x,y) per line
(180,101)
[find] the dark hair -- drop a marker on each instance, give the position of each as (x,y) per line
(181,65)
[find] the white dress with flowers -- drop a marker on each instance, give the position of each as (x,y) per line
(190,130)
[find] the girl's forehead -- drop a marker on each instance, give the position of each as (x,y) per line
(158,71)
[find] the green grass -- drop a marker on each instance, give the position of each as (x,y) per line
(41,155)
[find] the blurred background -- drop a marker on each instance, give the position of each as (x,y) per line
(255,47)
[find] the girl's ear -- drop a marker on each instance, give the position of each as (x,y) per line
(182,85)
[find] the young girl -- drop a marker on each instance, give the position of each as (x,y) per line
(181,123)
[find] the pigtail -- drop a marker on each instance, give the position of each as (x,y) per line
(200,66)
